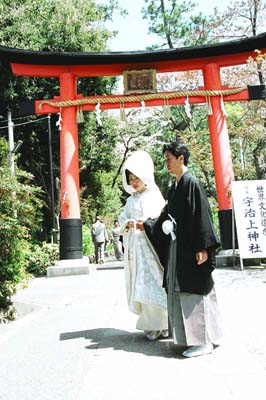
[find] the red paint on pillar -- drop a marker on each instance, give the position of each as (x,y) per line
(221,152)
(69,150)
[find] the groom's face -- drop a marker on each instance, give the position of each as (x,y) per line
(173,163)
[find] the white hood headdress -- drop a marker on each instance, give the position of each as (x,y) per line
(140,164)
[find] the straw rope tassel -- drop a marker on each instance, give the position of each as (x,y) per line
(59,121)
(80,116)
(123,116)
(209,106)
(166,109)
(187,108)
(98,114)
(223,107)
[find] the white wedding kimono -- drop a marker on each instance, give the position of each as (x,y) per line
(143,271)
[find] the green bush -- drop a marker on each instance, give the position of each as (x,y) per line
(87,243)
(37,257)
(20,206)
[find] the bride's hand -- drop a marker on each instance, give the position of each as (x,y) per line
(139,225)
(130,224)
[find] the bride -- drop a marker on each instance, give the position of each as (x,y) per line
(143,272)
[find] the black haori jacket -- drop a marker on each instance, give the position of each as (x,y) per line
(188,205)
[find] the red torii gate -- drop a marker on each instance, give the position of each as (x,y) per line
(69,66)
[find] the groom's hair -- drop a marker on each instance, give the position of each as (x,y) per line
(177,149)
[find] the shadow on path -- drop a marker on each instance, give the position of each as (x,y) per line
(135,342)
(104,268)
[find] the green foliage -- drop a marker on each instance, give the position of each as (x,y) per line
(7,310)
(73,26)
(98,164)
(62,25)
(214,212)
(177,23)
(87,243)
(20,214)
(100,198)
(38,256)
(247,139)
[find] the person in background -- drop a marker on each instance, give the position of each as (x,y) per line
(99,237)
(115,238)
(185,240)
(143,272)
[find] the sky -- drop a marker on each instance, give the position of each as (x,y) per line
(133,30)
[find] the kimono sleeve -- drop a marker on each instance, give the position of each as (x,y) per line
(159,241)
(205,234)
(124,217)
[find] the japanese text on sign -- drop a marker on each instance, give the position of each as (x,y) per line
(249,198)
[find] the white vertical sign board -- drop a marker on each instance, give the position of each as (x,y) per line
(249,199)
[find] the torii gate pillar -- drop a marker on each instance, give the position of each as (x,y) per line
(70,222)
(221,153)
(71,258)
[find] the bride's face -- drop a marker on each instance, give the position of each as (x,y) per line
(136,183)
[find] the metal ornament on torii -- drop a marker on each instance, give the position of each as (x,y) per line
(70,66)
